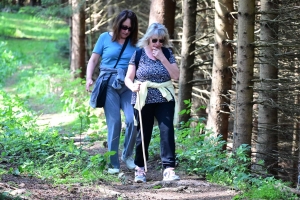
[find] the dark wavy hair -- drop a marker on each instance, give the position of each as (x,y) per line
(118,23)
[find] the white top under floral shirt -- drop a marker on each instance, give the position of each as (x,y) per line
(154,71)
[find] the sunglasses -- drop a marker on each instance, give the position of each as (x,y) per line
(160,40)
(126,28)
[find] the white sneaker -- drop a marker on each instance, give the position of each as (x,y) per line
(140,175)
(169,175)
(113,170)
(129,162)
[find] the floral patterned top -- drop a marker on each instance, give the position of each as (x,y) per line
(154,71)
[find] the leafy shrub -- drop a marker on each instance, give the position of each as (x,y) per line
(31,10)
(63,46)
(200,153)
(9,62)
(44,153)
(49,9)
(266,188)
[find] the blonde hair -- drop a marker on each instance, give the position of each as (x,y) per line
(155,29)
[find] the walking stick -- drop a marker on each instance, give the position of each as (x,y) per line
(142,133)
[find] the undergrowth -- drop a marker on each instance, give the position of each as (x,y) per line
(35,73)
(198,152)
(44,154)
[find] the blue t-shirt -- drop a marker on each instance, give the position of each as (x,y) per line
(110,51)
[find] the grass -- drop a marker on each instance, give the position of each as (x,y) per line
(30,27)
(38,81)
(38,75)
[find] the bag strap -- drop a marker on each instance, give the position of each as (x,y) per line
(123,48)
(166,52)
(138,55)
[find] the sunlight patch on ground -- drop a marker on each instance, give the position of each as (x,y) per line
(56,119)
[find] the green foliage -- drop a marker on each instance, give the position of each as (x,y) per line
(203,150)
(56,8)
(234,170)
(42,153)
(44,79)
(50,9)
(200,153)
(266,188)
(97,161)
(154,148)
(7,6)
(9,62)
(43,29)
(63,46)
(188,108)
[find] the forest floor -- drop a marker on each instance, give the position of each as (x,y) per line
(189,187)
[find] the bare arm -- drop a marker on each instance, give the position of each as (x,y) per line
(90,69)
(134,87)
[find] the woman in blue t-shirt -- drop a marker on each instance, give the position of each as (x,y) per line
(118,97)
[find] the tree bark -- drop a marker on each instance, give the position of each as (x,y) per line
(201,92)
(218,110)
(244,85)
(35,2)
(187,58)
(267,136)
(78,64)
(21,3)
(163,11)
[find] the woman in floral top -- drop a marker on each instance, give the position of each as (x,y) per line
(151,81)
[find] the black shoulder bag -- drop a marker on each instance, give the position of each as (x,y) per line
(101,97)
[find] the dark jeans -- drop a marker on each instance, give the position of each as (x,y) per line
(164,113)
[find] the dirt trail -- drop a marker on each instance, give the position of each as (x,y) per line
(188,188)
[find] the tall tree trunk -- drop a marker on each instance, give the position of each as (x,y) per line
(218,110)
(71,33)
(35,2)
(78,64)
(21,2)
(267,136)
(201,91)
(187,58)
(244,84)
(163,11)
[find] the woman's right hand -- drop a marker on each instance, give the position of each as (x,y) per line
(88,84)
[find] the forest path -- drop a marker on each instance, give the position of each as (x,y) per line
(188,188)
